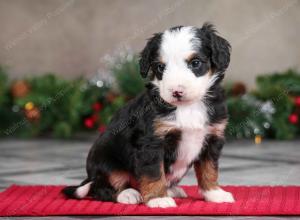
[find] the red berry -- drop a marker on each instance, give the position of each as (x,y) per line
(97,106)
(293,118)
(89,123)
(297,101)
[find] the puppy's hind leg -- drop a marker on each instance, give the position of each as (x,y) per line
(102,190)
(107,187)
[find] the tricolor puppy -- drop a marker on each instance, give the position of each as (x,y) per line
(177,123)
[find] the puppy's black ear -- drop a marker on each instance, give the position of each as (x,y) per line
(149,53)
(220,49)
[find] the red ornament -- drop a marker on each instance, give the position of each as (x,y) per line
(293,118)
(97,106)
(89,122)
(297,101)
(102,128)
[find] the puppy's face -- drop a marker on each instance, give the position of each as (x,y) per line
(184,62)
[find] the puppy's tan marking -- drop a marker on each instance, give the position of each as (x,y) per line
(218,129)
(162,128)
(160,59)
(119,179)
(150,188)
(191,57)
(207,175)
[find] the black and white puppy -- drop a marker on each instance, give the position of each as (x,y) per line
(177,123)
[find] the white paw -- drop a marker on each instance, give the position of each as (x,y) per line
(217,195)
(176,192)
(129,196)
(163,202)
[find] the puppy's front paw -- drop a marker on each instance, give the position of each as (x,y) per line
(217,195)
(176,192)
(129,196)
(163,202)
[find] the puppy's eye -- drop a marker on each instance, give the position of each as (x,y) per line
(161,67)
(195,63)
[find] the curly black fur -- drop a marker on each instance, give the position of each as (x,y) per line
(130,144)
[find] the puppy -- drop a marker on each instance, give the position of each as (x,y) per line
(177,123)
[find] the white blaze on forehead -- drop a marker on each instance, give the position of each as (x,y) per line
(178,43)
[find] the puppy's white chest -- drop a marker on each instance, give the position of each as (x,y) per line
(192,123)
(191,117)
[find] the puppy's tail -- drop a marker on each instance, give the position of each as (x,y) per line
(78,192)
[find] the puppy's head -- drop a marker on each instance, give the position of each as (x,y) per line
(184,62)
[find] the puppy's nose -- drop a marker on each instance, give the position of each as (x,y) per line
(177,94)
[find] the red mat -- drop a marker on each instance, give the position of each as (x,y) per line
(250,200)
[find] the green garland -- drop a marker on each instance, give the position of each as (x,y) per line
(280,91)
(61,108)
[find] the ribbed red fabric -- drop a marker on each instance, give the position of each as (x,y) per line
(250,200)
